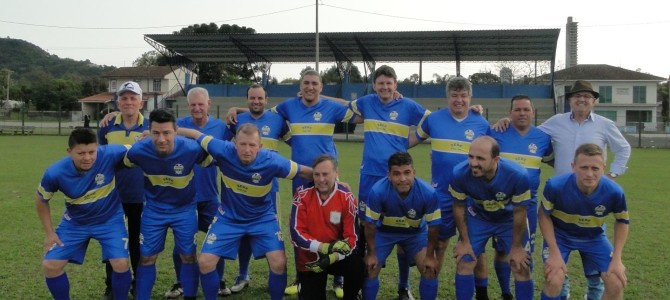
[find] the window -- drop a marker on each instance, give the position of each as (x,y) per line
(633,116)
(605,94)
(566,90)
(112,85)
(639,94)
(610,114)
(157,85)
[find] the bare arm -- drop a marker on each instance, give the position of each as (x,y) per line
(189,133)
(231,116)
(519,259)
(306,172)
(108,118)
(371,262)
(44,213)
(413,140)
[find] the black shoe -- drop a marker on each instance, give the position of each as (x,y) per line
(405,294)
(507,297)
(108,295)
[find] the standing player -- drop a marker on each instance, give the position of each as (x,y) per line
(246,207)
(499,193)
(205,180)
(399,210)
(273,128)
(92,210)
(572,218)
(125,128)
(451,130)
(168,164)
(530,147)
(323,227)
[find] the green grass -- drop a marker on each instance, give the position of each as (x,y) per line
(24,159)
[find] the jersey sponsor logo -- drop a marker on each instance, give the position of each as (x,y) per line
(532,148)
(317,116)
(265,130)
(99,178)
(141,239)
(335,217)
(178,169)
(600,210)
(469,134)
(472,211)
(256,178)
(211,238)
(66,216)
(393,115)
(500,196)
(411,213)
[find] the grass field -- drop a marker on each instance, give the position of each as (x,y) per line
(24,158)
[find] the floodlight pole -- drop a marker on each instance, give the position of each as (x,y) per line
(316,62)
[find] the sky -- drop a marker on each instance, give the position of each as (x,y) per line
(634,36)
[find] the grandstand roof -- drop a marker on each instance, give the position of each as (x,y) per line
(403,46)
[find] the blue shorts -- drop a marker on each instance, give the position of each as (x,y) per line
(448,226)
(479,232)
(111,235)
(206,213)
(224,236)
(364,184)
(412,243)
(531,216)
(596,253)
(153,230)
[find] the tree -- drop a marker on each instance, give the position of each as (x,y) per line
(412,79)
(663,96)
(290,81)
(222,72)
(47,95)
(440,79)
(150,58)
(484,78)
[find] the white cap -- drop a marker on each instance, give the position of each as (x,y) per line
(129,86)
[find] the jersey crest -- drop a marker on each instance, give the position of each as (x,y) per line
(256,178)
(335,217)
(393,115)
(411,213)
(265,130)
(317,116)
(99,178)
(500,196)
(532,148)
(469,134)
(178,169)
(600,210)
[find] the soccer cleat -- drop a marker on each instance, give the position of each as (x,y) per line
(507,296)
(108,294)
(240,284)
(339,290)
(292,289)
(223,290)
(405,294)
(174,292)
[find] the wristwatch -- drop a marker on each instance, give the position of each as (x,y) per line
(613,175)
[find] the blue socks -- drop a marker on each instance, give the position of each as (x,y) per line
(145,279)
(370,288)
(59,286)
(503,271)
(176,260)
(465,286)
(210,285)
(524,290)
(403,270)
(428,288)
(189,279)
(244,257)
(121,284)
(277,284)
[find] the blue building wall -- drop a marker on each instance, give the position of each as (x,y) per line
(355,90)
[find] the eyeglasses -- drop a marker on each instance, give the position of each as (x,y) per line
(583,96)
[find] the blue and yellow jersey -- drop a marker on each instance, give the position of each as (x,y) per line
(126,178)
(206,178)
(391,213)
(450,142)
(272,126)
(386,129)
(245,194)
(491,200)
(529,150)
(312,127)
(168,181)
(583,216)
(90,197)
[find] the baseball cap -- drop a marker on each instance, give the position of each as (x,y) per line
(129,86)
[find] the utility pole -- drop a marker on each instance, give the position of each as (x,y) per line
(9,72)
(317,37)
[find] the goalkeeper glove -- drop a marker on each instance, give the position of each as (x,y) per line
(341,247)
(321,263)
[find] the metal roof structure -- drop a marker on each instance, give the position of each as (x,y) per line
(404,46)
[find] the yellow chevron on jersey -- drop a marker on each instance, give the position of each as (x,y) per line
(44,194)
(436,215)
(246,189)
(521,197)
(93,195)
(312,129)
(270,143)
(450,146)
(372,214)
(386,127)
(492,205)
(178,182)
(527,161)
(457,195)
(579,220)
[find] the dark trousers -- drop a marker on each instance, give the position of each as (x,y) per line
(133,212)
(313,285)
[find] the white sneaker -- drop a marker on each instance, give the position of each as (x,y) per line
(174,292)
(223,290)
(240,284)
